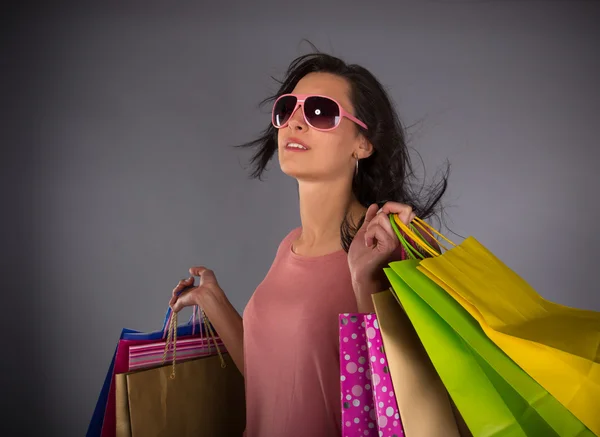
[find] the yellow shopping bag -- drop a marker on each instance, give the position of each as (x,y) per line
(556,345)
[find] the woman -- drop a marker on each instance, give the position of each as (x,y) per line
(336,132)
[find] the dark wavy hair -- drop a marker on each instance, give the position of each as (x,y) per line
(386,175)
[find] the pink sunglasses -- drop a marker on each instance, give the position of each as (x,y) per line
(320,112)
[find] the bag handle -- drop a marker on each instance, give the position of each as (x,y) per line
(408,248)
(192,321)
(172,338)
(416,236)
(171,334)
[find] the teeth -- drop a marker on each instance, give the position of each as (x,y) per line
(297,146)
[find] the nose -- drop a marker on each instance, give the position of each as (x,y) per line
(296,121)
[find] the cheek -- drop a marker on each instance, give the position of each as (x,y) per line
(336,147)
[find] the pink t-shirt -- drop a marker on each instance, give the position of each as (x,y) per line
(291,345)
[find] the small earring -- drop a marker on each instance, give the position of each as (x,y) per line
(356,157)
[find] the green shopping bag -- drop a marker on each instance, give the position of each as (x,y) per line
(494,395)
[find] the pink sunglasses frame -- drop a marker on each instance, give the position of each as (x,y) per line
(300,99)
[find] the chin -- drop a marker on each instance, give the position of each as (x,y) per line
(291,167)
(294,172)
(304,174)
(304,169)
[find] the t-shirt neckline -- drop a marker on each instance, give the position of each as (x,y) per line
(304,258)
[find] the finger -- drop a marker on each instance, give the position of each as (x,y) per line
(370,214)
(404,211)
(180,302)
(173,299)
(374,232)
(384,221)
(197,271)
(186,282)
(182,299)
(183,284)
(181,287)
(377,236)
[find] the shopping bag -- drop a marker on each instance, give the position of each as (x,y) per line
(480,404)
(104,405)
(122,418)
(146,355)
(102,423)
(147,358)
(529,403)
(556,345)
(204,398)
(389,422)
(358,412)
(423,402)
(97,420)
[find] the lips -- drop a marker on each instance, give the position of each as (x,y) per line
(296,145)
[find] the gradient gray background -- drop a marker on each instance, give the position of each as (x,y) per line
(119,172)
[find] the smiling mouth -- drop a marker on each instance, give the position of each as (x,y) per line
(296,147)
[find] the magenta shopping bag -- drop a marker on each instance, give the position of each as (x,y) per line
(369,405)
(145,355)
(358,412)
(384,399)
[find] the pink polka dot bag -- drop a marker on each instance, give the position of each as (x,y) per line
(369,405)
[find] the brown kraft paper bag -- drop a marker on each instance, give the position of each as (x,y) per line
(203,399)
(425,408)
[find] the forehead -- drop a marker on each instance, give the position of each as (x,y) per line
(326,84)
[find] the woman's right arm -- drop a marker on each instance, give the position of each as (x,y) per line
(209,296)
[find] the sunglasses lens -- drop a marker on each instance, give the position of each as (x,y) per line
(321,112)
(282,111)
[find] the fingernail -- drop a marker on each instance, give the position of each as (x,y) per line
(380,209)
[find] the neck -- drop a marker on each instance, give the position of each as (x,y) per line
(323,206)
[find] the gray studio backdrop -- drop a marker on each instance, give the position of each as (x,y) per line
(135,177)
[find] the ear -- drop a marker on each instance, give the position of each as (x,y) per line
(365,148)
